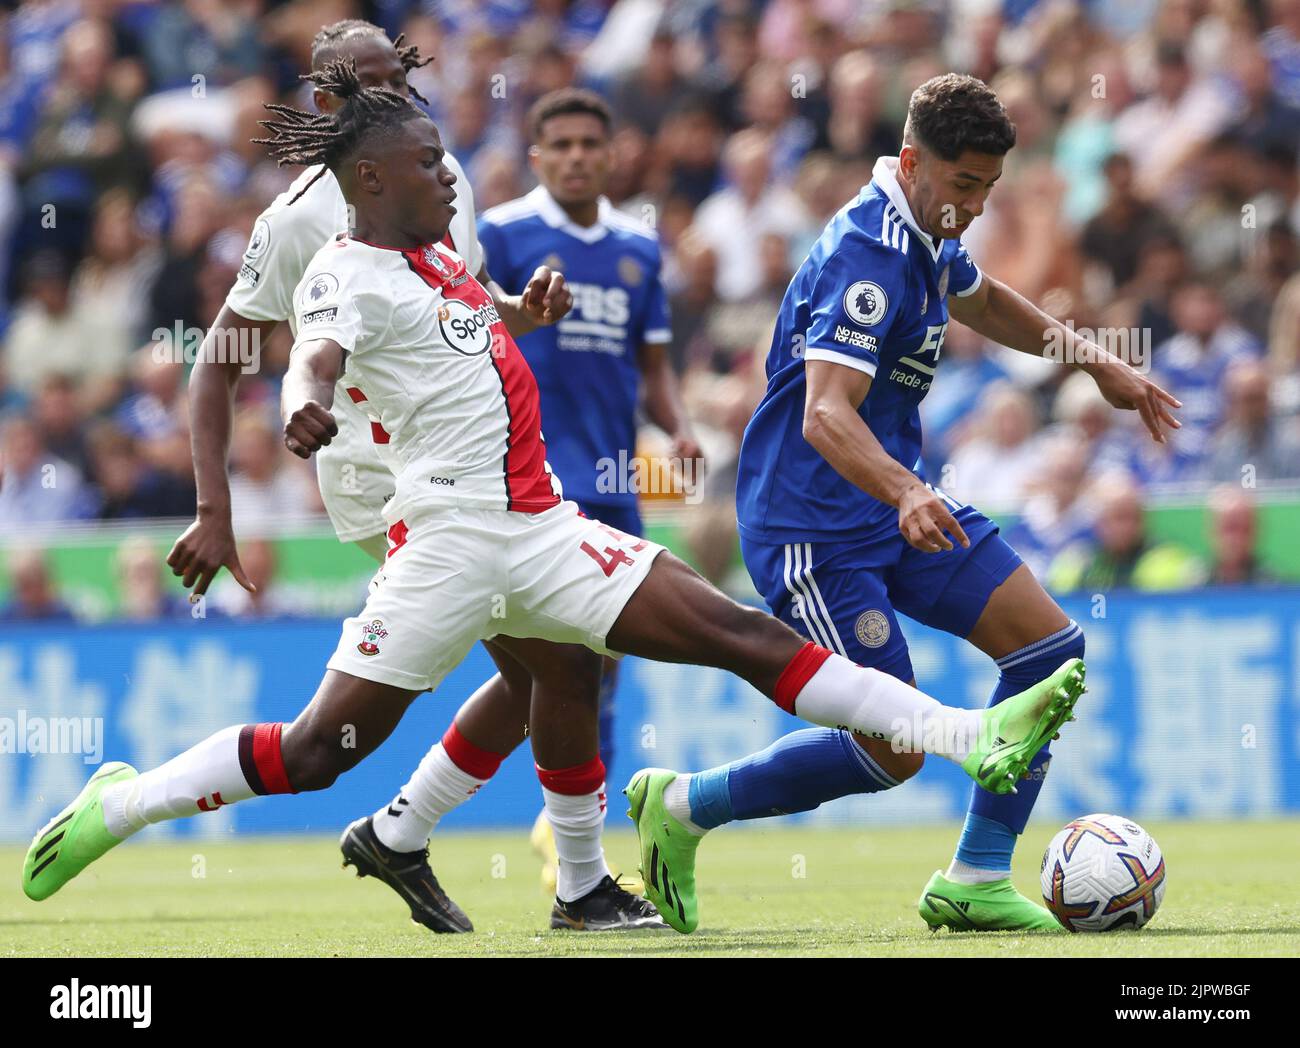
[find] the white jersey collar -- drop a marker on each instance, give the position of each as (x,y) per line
(885,175)
(557,218)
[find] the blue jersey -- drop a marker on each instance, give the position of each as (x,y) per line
(871,295)
(587,365)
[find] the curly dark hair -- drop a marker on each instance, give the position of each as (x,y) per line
(331,138)
(564,101)
(953,114)
(328,46)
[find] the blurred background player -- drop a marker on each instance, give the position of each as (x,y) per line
(392,844)
(839,531)
(596,363)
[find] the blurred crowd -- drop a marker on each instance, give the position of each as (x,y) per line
(1153,198)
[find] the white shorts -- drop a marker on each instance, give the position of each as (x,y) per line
(454,577)
(354,481)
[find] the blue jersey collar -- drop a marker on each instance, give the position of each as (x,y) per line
(885,177)
(557,218)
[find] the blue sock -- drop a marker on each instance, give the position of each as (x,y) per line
(993,820)
(796,773)
(605,722)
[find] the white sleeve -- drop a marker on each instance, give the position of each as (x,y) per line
(284,239)
(326,303)
(271,267)
(464,228)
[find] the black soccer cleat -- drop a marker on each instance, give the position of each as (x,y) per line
(407,873)
(608,907)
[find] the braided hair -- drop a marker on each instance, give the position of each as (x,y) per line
(329,139)
(327,45)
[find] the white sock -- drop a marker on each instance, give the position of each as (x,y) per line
(577,822)
(960,873)
(677,799)
(203,778)
(842,694)
(436,787)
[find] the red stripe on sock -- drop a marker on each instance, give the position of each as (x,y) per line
(472,760)
(576,781)
(797,673)
(269,760)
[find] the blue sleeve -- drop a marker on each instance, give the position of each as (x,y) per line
(854,300)
(656,325)
(964,276)
(496,257)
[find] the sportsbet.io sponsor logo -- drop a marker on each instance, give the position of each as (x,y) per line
(466,329)
(866,302)
(872,629)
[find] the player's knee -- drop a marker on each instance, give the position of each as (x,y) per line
(898,766)
(311,761)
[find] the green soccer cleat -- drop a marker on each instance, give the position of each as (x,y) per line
(995,906)
(1014,730)
(74,838)
(667,850)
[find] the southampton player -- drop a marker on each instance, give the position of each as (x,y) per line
(837,530)
(592,365)
(482,543)
(354,482)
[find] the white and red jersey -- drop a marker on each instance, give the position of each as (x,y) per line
(452,403)
(354,481)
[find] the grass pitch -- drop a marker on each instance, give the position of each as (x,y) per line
(764,892)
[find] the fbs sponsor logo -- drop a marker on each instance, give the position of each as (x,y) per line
(249,275)
(75,1001)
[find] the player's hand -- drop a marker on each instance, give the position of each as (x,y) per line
(1124,388)
(207,546)
(923,517)
(308,429)
(547,298)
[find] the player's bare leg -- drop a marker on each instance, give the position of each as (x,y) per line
(1027,633)
(345,721)
(676,616)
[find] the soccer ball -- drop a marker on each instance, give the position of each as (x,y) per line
(1103,872)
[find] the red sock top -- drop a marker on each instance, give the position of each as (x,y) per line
(807,661)
(472,760)
(576,781)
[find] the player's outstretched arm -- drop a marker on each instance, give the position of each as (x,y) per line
(544,301)
(663,400)
(308,394)
(832,425)
(999,313)
(208,544)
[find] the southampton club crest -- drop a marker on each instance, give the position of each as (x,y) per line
(438,263)
(372,633)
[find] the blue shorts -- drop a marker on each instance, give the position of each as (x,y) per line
(845,595)
(626,519)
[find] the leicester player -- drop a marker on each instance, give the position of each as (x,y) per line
(594,364)
(838,530)
(482,544)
